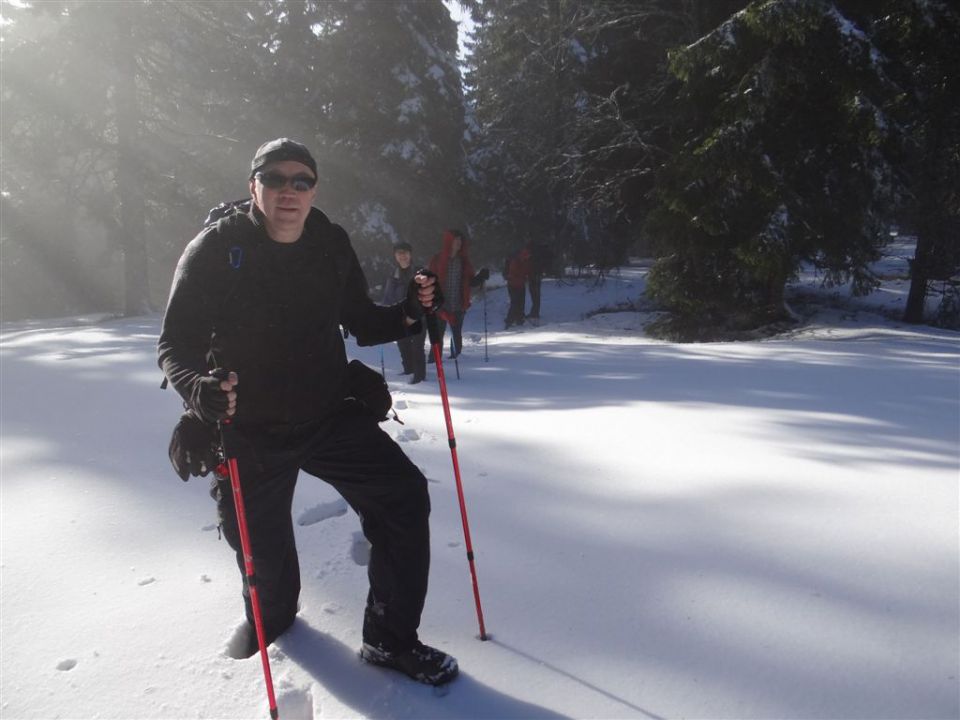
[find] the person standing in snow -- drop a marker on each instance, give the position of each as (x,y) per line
(540,261)
(394,290)
(455,275)
(516,272)
(252,333)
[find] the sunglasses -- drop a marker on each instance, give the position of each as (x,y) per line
(274,180)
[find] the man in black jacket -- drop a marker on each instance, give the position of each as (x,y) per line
(252,333)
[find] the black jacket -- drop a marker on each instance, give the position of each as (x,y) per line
(271,312)
(395,288)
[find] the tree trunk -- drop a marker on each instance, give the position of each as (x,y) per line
(129,181)
(919,277)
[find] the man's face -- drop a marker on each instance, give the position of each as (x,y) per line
(403,258)
(284,208)
(455,245)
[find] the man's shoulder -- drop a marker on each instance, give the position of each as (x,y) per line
(222,242)
(321,224)
(328,233)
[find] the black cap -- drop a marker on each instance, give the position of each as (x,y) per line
(279,150)
(403,246)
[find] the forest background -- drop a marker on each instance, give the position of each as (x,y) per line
(732,142)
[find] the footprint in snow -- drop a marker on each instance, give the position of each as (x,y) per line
(296,704)
(208,528)
(401,404)
(323,511)
(360,549)
(66,665)
(407,435)
(146,581)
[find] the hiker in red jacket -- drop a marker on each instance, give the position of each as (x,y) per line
(455,275)
(517,272)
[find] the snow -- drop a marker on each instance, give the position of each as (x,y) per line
(852,33)
(578,51)
(408,107)
(405,76)
(760,529)
(373,221)
(406,149)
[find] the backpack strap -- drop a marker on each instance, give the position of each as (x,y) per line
(234,227)
(227,216)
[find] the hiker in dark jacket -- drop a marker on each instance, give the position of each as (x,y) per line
(252,333)
(394,290)
(541,260)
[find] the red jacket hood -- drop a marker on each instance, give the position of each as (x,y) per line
(439,262)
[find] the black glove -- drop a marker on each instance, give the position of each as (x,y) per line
(194,447)
(412,306)
(480,278)
(208,400)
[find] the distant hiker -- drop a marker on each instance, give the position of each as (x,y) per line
(541,258)
(455,275)
(516,272)
(252,333)
(395,290)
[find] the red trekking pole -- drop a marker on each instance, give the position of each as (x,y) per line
(230,466)
(436,348)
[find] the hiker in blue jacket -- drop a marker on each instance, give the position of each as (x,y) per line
(252,333)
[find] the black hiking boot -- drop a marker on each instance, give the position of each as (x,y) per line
(421,662)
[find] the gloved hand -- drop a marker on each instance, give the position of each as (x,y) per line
(214,398)
(413,304)
(480,278)
(194,447)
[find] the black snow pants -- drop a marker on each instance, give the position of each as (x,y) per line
(412,355)
(456,328)
(389,493)
(517,301)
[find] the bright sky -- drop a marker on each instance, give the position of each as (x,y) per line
(462,18)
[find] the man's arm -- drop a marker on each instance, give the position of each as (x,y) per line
(188,321)
(374,324)
(370,323)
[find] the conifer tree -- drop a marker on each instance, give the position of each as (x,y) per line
(524,79)
(97,101)
(919,39)
(627,116)
(783,162)
(391,126)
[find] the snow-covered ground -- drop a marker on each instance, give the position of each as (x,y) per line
(736,530)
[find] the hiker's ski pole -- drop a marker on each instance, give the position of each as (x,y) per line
(436,347)
(230,463)
(486,353)
(453,354)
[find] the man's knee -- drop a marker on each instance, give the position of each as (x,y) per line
(415,497)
